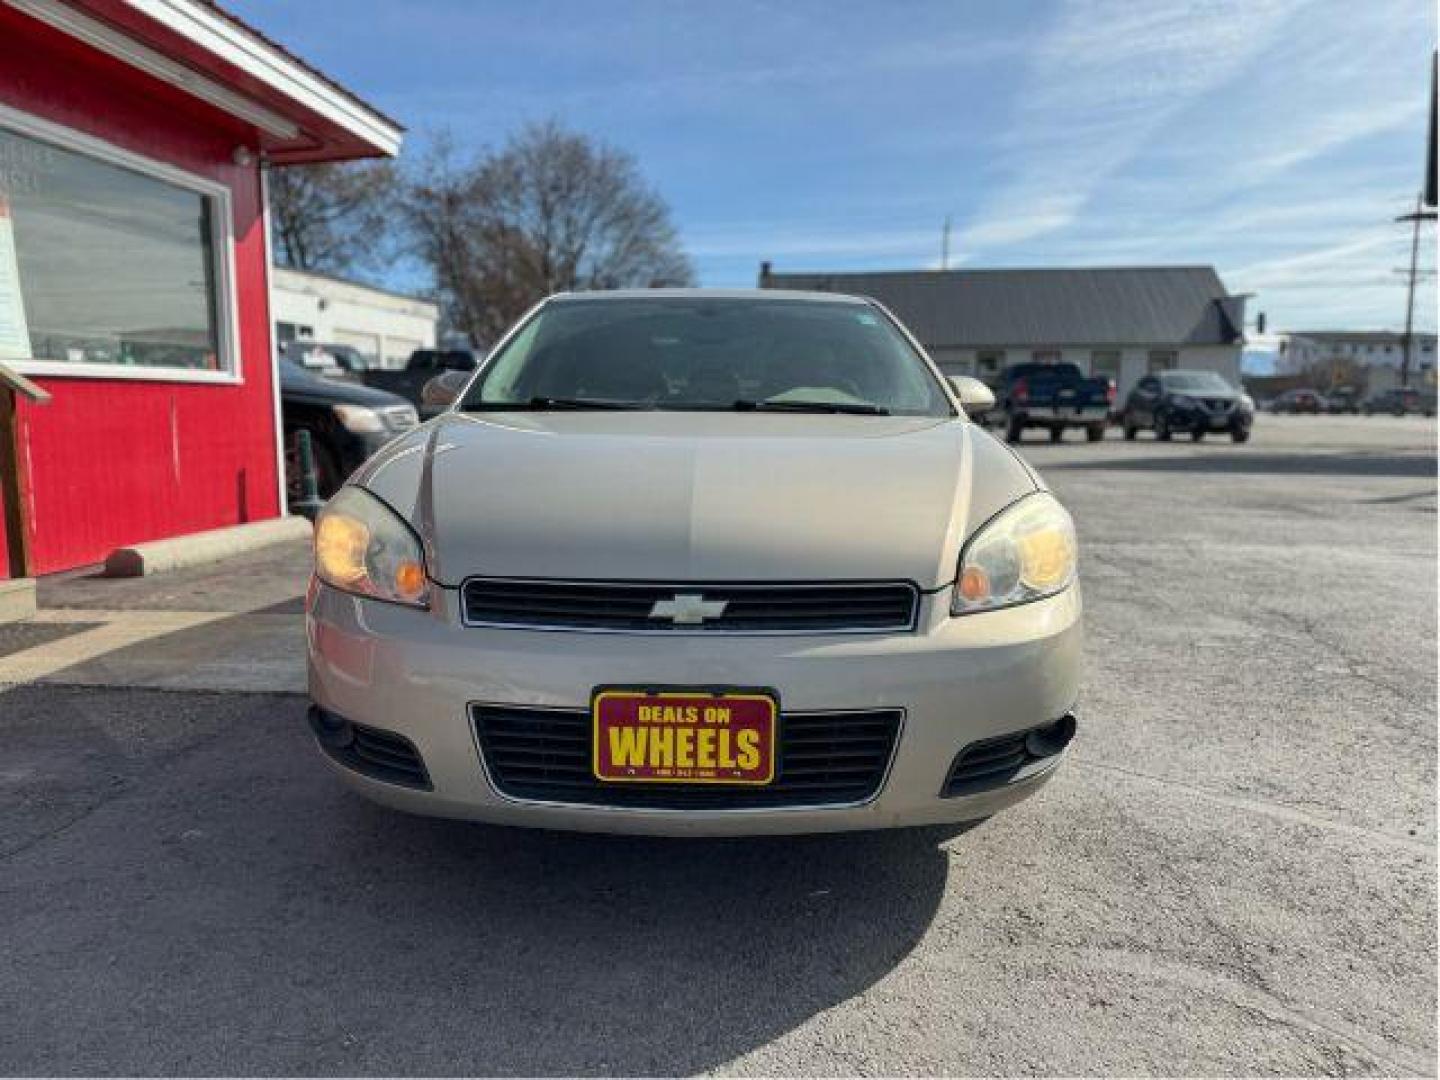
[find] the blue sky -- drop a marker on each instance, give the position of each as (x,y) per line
(1276,139)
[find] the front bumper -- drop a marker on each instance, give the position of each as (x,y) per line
(1068,414)
(1205,420)
(958,681)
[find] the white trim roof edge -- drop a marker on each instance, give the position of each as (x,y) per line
(202,24)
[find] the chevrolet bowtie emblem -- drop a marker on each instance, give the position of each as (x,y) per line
(688,609)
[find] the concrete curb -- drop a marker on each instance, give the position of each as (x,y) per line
(17,599)
(141,560)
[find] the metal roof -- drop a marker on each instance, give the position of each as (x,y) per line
(266,40)
(297,113)
(1121,305)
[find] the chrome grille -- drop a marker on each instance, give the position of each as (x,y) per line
(626,606)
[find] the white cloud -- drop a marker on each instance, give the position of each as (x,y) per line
(1108,76)
(1277,141)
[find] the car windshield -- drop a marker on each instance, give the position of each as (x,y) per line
(1203,382)
(704,354)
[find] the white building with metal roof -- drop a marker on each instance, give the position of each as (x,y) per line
(1122,321)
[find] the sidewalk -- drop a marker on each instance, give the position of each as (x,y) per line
(233,625)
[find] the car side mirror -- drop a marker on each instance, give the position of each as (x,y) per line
(439,393)
(975,397)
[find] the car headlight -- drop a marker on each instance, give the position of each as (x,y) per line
(362,546)
(1247,402)
(359,420)
(1181,401)
(1024,553)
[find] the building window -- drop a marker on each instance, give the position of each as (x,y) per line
(1046,356)
(286,332)
(1106,362)
(117,269)
(989,362)
(1162,360)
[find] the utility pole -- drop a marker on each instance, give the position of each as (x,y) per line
(945,245)
(1424,211)
(1410,293)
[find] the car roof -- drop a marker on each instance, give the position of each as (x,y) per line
(603,296)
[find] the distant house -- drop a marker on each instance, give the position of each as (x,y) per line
(1122,321)
(1379,351)
(384,326)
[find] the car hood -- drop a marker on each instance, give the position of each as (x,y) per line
(298,384)
(704,497)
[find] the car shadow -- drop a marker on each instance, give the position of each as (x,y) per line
(211,878)
(644,956)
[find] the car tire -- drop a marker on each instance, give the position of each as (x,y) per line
(1057,433)
(1162,429)
(1240,435)
(1014,431)
(1095,432)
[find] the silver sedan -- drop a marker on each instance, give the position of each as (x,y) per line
(697,562)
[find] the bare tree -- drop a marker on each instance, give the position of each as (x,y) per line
(551,211)
(337,219)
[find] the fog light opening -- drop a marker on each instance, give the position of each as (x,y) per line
(1050,740)
(332,730)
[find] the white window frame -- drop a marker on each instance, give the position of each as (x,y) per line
(222,247)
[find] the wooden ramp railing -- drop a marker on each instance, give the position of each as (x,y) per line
(13,493)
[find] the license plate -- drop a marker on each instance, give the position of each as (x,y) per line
(684,737)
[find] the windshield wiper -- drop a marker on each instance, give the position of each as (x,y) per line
(537,403)
(857,407)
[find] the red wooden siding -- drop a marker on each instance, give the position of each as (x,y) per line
(121,461)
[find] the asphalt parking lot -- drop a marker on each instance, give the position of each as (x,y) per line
(1234,873)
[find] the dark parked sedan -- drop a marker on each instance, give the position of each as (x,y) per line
(1344,399)
(1399,401)
(1197,402)
(347,423)
(1298,401)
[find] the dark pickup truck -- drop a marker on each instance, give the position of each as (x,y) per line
(424,365)
(1053,396)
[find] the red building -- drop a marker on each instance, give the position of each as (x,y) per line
(134,138)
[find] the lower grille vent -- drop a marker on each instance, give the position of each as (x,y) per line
(993,763)
(380,755)
(824,759)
